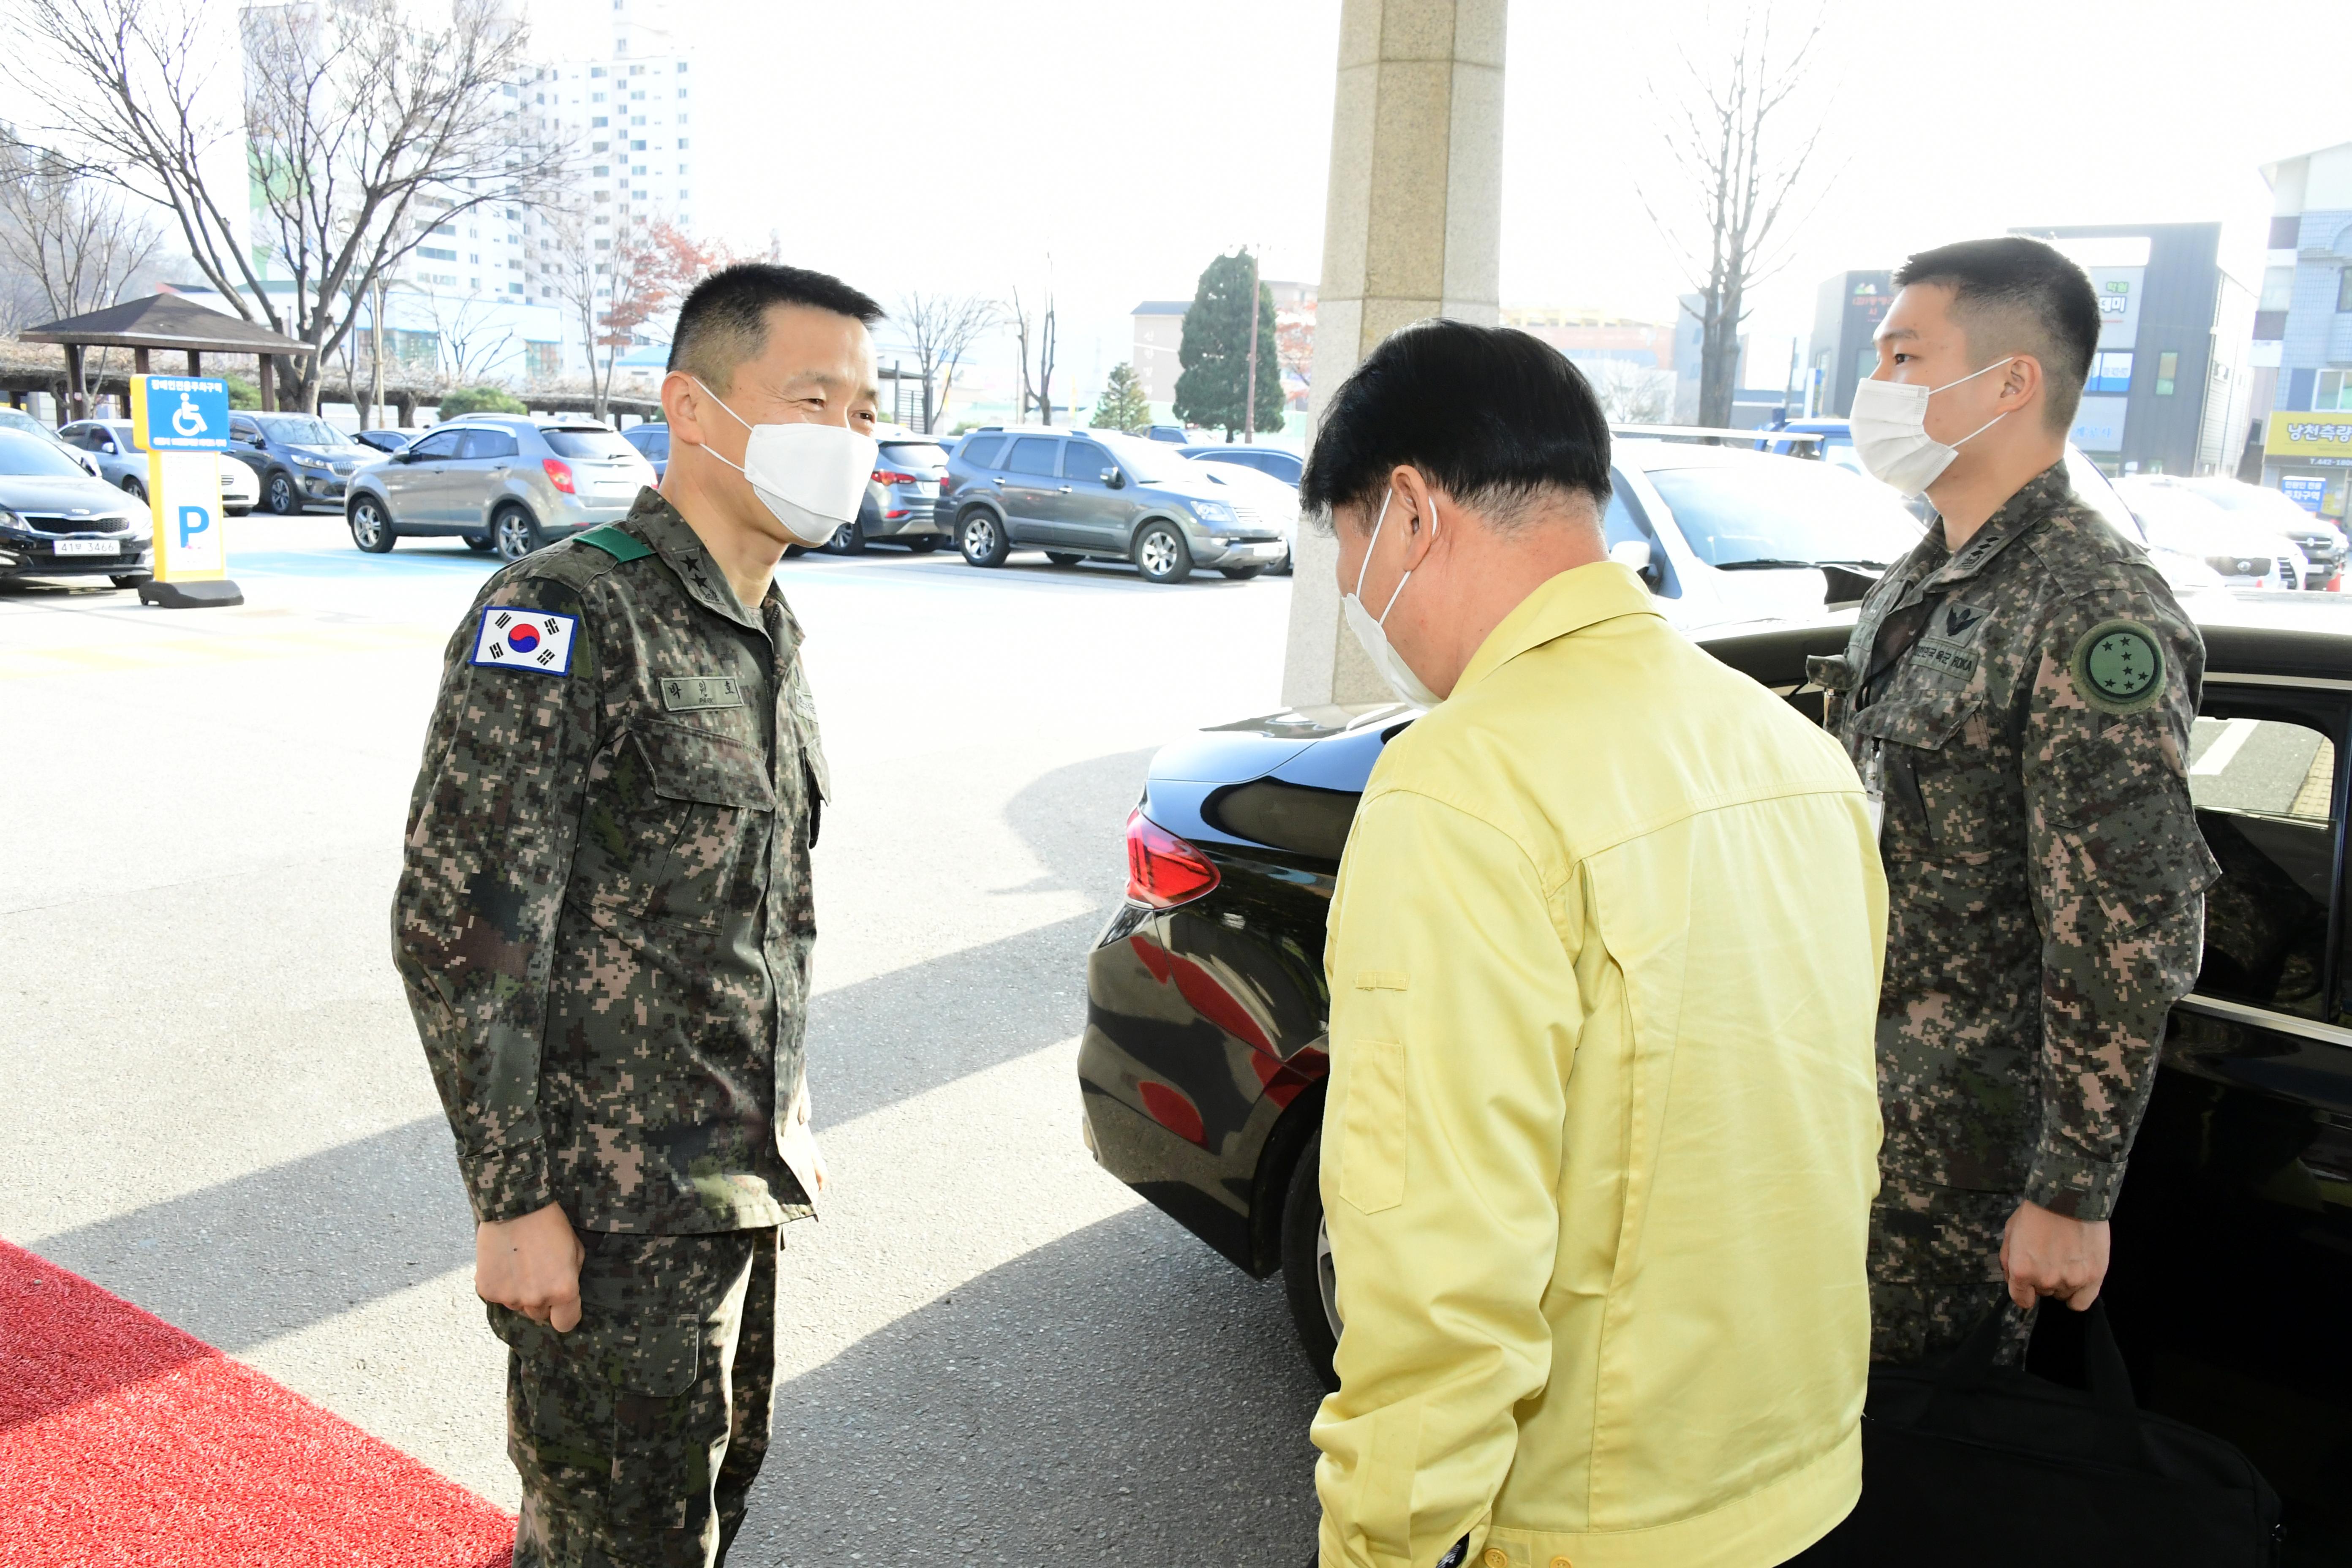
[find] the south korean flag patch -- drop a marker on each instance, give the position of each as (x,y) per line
(525,639)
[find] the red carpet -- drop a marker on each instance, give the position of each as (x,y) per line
(124,1441)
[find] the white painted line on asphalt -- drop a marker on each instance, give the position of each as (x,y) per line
(2236,733)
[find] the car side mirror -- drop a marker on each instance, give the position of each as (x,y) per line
(107,447)
(1114,479)
(1638,553)
(404,456)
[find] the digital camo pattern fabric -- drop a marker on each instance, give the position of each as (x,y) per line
(2026,703)
(637,1434)
(604,918)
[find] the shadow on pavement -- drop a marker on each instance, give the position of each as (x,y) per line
(1123,1395)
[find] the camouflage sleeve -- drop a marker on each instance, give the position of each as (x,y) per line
(2117,871)
(491,828)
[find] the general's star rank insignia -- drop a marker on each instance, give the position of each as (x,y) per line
(2118,667)
(512,638)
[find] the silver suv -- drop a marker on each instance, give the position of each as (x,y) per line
(1081,494)
(500,481)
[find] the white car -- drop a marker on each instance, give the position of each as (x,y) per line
(1274,500)
(2319,538)
(2246,555)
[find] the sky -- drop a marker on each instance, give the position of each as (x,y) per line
(1109,150)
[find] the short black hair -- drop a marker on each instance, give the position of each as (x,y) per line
(2018,295)
(1492,415)
(724,320)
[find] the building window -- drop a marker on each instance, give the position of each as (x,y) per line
(542,362)
(595,98)
(681,147)
(2111,370)
(432,254)
(637,120)
(2343,289)
(599,123)
(681,68)
(638,146)
(2286,232)
(601,169)
(595,70)
(2333,392)
(2168,367)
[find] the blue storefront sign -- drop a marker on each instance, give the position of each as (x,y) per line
(2304,490)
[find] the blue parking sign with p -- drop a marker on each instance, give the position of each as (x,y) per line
(179,413)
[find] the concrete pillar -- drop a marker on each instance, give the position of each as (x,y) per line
(1413,227)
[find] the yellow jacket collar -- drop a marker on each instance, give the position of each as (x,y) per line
(1564,604)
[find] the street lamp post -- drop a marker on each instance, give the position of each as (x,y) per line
(1249,402)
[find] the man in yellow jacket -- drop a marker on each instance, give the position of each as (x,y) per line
(1604,959)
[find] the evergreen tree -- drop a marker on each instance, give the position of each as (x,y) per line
(1122,406)
(1214,351)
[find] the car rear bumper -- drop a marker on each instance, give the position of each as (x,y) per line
(1222,552)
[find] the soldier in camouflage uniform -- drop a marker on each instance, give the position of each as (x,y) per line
(2022,707)
(605,925)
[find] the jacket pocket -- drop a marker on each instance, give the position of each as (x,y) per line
(1925,722)
(1372,1127)
(714,867)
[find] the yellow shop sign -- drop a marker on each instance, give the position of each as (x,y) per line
(2310,436)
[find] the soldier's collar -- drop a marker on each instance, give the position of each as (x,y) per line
(2036,498)
(674,539)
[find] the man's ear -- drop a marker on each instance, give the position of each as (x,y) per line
(2021,383)
(684,405)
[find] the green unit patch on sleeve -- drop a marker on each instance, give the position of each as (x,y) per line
(613,541)
(2118,667)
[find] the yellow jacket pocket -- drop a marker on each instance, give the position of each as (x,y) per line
(1372,1127)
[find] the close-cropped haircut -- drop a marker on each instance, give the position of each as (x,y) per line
(2018,295)
(724,320)
(1493,417)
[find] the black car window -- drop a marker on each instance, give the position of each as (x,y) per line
(2261,774)
(919,456)
(981,451)
(1033,454)
(440,444)
(1085,460)
(589,442)
(489,444)
(36,457)
(653,440)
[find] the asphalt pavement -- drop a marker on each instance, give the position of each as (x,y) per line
(212,1099)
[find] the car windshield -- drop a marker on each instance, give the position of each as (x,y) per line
(915,454)
(586,441)
(2255,503)
(1777,512)
(1146,462)
(299,430)
(36,457)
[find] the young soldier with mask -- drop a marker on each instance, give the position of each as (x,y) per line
(603,923)
(1604,962)
(2017,697)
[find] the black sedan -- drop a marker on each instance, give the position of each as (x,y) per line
(58,522)
(1204,1059)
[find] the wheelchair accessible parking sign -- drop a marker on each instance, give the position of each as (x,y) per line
(179,413)
(182,424)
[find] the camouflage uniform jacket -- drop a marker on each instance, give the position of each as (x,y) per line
(2026,705)
(603,916)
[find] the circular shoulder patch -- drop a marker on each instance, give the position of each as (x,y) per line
(2118,667)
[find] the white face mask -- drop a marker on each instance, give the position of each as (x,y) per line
(812,477)
(1890,432)
(1385,658)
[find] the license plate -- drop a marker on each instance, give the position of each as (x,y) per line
(616,486)
(88,547)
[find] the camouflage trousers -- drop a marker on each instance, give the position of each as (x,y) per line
(637,1434)
(1935,1268)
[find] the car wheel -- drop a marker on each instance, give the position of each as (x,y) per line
(517,532)
(924,543)
(849,539)
(1240,573)
(281,495)
(981,538)
(372,530)
(1308,1279)
(1063,557)
(479,544)
(1161,554)
(132,579)
(132,487)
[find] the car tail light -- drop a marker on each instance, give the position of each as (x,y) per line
(895,516)
(893,477)
(1163,870)
(558,474)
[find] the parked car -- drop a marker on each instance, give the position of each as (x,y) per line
(124,467)
(1271,461)
(1203,1065)
(507,482)
(1276,501)
(1096,494)
(1175,433)
(2245,553)
(652,442)
(57,521)
(2320,539)
(901,504)
(384,440)
(24,423)
(300,460)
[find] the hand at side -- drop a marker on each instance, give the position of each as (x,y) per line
(2046,1253)
(532,1264)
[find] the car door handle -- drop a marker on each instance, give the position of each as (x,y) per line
(1066,489)
(998,483)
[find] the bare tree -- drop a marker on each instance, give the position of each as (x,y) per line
(364,128)
(614,278)
(1035,333)
(941,328)
(74,246)
(1725,131)
(473,333)
(1631,392)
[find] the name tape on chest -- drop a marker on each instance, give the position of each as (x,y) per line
(514,638)
(692,693)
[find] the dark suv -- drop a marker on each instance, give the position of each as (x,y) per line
(301,459)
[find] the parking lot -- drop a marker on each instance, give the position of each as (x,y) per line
(212,1100)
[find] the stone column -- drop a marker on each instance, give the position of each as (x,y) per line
(1412,227)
